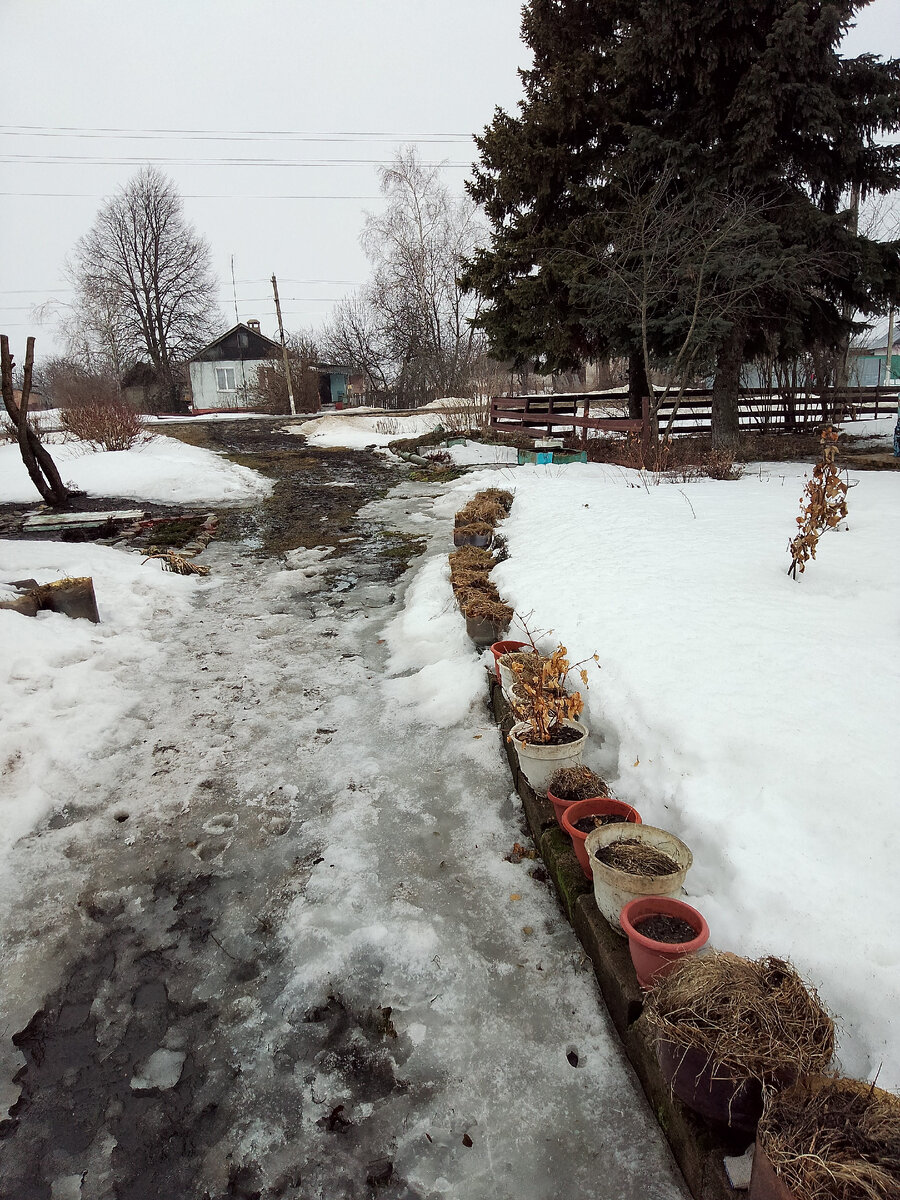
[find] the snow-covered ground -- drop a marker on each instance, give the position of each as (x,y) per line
(356,431)
(163,470)
(262,828)
(753,715)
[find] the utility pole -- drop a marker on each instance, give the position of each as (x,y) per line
(284,353)
(888,372)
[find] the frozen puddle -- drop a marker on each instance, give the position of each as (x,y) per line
(302,967)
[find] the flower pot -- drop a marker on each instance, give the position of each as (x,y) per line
(537,763)
(481,540)
(764,1183)
(710,1089)
(500,648)
(571,812)
(653,959)
(483,633)
(613,888)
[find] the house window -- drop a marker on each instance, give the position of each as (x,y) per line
(225,379)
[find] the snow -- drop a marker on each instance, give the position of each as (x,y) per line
(162,470)
(68,687)
(161,1070)
(319,764)
(482,454)
(752,715)
(355,432)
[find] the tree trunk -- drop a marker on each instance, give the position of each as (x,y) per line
(638,385)
(726,387)
(37,460)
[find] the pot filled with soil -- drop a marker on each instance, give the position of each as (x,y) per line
(582,817)
(729,1030)
(630,863)
(500,648)
(487,617)
(538,760)
(569,784)
(661,930)
(828,1137)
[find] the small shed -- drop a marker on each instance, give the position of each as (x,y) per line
(225,372)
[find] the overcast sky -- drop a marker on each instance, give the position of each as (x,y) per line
(294,85)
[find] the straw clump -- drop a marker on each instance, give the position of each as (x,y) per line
(834,1139)
(636,858)
(754,1018)
(577,783)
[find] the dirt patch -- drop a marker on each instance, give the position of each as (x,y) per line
(666,929)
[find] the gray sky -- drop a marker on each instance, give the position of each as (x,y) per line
(356,77)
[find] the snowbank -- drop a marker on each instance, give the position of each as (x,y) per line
(162,470)
(473,454)
(354,432)
(68,689)
(753,715)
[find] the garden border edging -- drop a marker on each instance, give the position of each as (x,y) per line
(699,1150)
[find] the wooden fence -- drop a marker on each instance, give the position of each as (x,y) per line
(759,410)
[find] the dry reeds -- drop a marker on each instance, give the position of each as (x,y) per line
(576,783)
(176,563)
(834,1139)
(754,1018)
(470,566)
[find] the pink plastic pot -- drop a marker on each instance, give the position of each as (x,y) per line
(500,648)
(654,960)
(597,806)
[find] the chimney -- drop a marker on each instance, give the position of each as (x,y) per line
(253,324)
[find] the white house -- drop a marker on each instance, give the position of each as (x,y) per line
(223,372)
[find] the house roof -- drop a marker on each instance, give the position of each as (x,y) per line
(238,342)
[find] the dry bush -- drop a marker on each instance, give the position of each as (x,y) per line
(822,506)
(834,1139)
(106,423)
(577,783)
(756,1019)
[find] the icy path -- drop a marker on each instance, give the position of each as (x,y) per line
(302,951)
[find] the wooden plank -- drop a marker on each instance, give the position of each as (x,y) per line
(79,520)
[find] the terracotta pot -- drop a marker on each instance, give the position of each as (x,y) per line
(654,960)
(596,806)
(500,648)
(710,1090)
(764,1183)
(538,762)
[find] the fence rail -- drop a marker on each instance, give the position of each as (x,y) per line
(759,410)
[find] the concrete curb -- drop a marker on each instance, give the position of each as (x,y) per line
(698,1149)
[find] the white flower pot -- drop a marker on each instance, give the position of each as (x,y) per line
(537,763)
(613,888)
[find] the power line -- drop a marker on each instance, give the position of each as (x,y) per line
(92,161)
(185,136)
(227,134)
(197,196)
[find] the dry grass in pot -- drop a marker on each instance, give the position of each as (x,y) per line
(471,558)
(636,858)
(834,1139)
(481,607)
(473,528)
(466,596)
(754,1018)
(577,783)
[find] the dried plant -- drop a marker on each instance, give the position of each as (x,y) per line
(577,783)
(176,563)
(548,704)
(834,1139)
(756,1019)
(822,506)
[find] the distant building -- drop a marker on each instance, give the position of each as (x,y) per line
(224,373)
(868,366)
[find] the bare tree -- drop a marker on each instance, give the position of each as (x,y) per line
(270,390)
(409,328)
(143,278)
(677,272)
(37,459)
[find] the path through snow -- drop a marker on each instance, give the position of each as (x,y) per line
(273,938)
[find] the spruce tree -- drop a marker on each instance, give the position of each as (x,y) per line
(747,98)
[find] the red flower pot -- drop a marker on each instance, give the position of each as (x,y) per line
(597,806)
(653,960)
(499,648)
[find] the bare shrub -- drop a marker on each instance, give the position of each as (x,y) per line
(105,423)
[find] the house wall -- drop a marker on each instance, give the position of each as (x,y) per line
(204,385)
